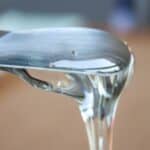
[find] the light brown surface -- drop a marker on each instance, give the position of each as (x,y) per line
(31,119)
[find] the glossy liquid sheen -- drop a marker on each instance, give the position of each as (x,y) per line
(97,96)
(95,90)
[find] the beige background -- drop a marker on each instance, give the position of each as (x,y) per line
(31,119)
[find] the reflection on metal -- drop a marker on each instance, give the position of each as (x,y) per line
(95,63)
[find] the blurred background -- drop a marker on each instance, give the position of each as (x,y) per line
(36,120)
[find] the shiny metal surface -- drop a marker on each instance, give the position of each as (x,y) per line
(67,49)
